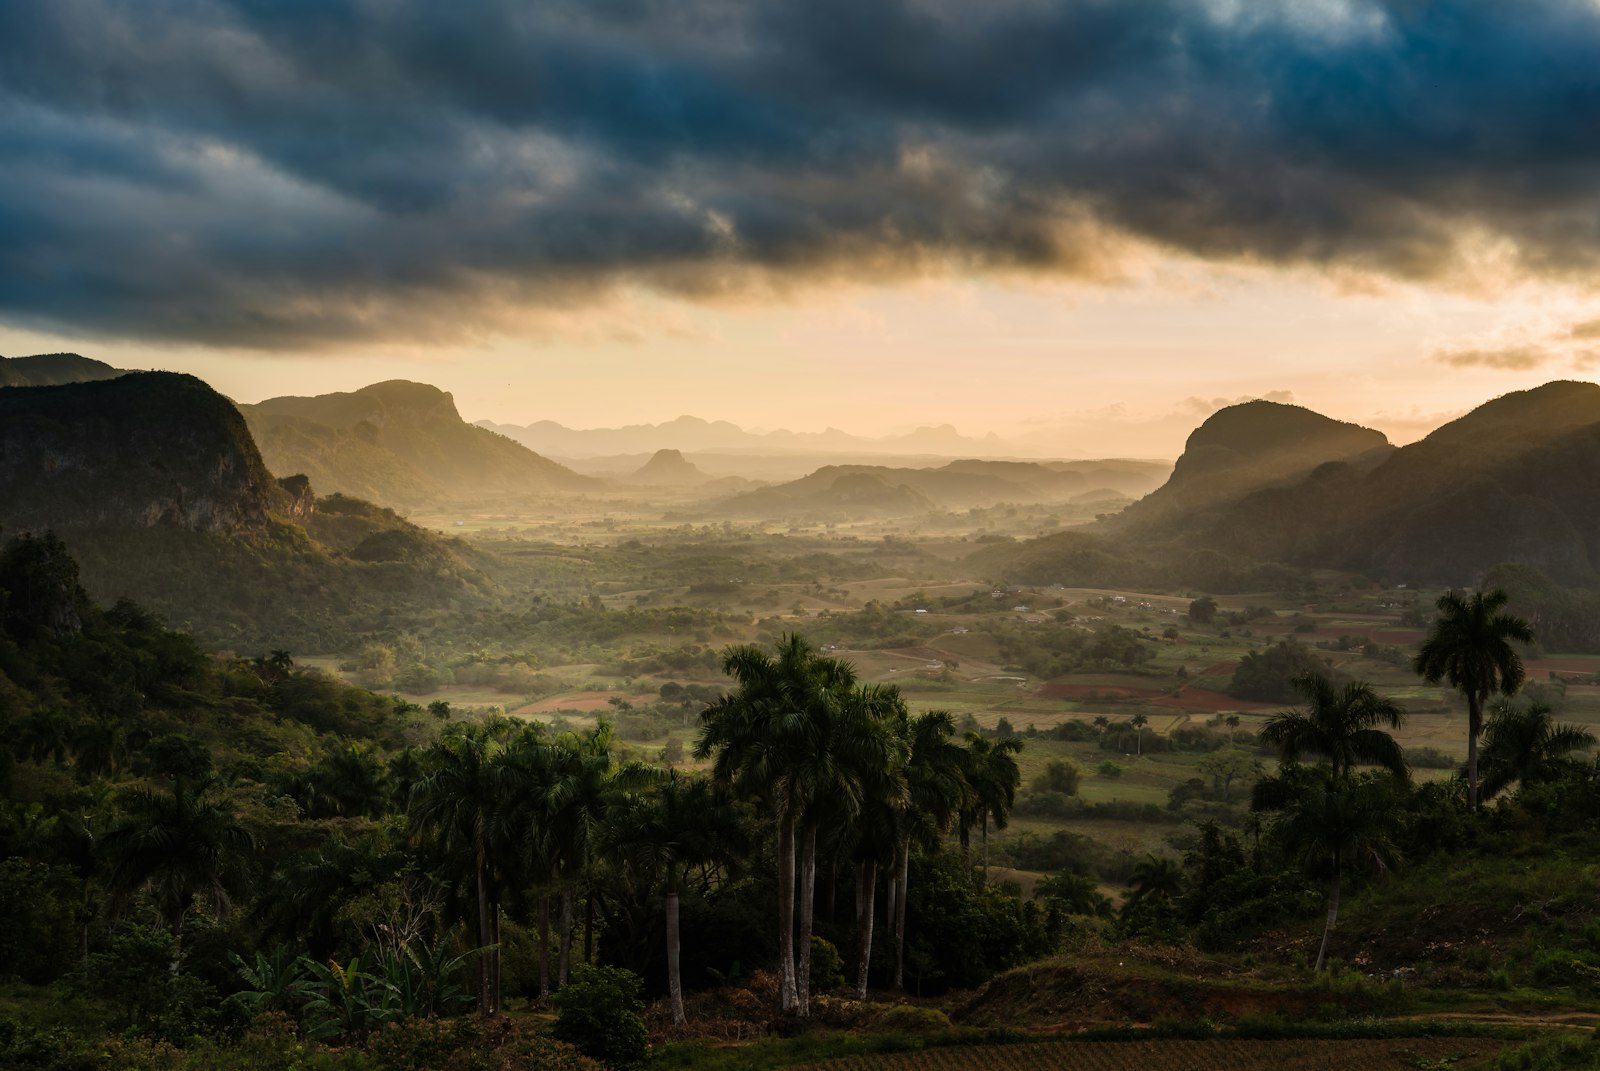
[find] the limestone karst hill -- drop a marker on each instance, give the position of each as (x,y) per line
(401,444)
(155,484)
(1514,480)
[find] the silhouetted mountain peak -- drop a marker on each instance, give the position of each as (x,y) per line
(1252,429)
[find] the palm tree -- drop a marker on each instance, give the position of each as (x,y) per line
(879,797)
(348,782)
(937,784)
(687,821)
(771,741)
(1469,645)
(1138,721)
(1340,725)
(179,845)
(460,800)
(1338,822)
(528,770)
(584,784)
(1524,744)
(1154,878)
(992,772)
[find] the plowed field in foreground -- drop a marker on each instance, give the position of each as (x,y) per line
(1169,1055)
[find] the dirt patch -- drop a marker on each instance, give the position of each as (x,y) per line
(584,701)
(1580,666)
(1205,701)
(1397,637)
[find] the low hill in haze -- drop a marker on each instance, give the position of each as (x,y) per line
(401,444)
(155,484)
(830,494)
(668,468)
(1511,481)
(53,370)
(957,485)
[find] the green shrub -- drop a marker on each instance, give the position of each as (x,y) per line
(602,1015)
(911,1019)
(466,1044)
(1562,968)
(1549,1054)
(827,966)
(135,976)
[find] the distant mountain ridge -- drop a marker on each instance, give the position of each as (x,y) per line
(694,435)
(400,444)
(861,491)
(53,370)
(1512,481)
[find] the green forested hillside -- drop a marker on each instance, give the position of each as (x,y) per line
(400,444)
(154,483)
(1505,483)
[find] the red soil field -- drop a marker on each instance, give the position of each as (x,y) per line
(579,701)
(1061,689)
(1205,701)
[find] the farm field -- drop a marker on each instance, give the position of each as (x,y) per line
(1186,1055)
(645,608)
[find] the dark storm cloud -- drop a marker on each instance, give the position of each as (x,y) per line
(319,171)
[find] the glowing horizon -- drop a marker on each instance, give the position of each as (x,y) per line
(1073,224)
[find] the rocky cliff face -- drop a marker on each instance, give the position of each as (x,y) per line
(298,502)
(144,450)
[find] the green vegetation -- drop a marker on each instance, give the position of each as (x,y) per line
(877,783)
(350,865)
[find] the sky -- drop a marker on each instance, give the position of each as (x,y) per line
(1082,225)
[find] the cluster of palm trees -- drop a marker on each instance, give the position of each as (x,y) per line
(1336,814)
(510,821)
(840,768)
(522,820)
(518,811)
(830,759)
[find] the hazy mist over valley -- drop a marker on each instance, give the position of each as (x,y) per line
(854,537)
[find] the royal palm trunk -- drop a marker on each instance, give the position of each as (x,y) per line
(867,881)
(808,879)
(674,981)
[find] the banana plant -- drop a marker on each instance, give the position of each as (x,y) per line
(347,1001)
(275,982)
